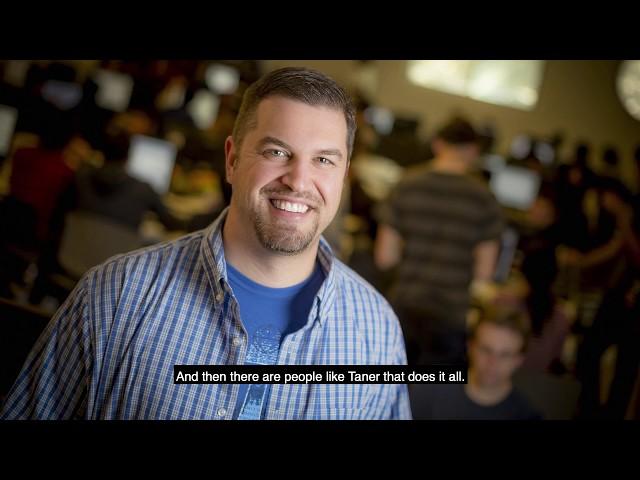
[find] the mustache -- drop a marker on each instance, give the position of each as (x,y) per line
(312,199)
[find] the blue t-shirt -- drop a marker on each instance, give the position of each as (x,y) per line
(268,315)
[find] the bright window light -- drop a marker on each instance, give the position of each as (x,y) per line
(513,83)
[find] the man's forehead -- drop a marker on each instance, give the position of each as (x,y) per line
(280,117)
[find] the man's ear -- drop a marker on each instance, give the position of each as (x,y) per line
(231,158)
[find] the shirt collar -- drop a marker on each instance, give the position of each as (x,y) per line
(212,252)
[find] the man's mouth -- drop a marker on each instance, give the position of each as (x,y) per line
(287,206)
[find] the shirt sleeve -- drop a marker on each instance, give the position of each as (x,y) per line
(52,384)
(492,223)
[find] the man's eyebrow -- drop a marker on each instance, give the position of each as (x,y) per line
(275,141)
(331,152)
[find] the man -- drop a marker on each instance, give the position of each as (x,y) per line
(496,350)
(258,286)
(112,193)
(616,321)
(38,176)
(108,193)
(440,227)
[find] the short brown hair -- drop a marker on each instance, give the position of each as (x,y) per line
(302,84)
(513,318)
(458,131)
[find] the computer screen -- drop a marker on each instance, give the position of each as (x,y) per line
(8,118)
(545,153)
(114,90)
(203,108)
(151,160)
(382,119)
(521,146)
(515,187)
(222,79)
(64,95)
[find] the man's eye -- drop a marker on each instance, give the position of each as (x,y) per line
(325,161)
(276,153)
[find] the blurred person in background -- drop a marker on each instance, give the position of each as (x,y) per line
(371,177)
(617,321)
(440,227)
(496,350)
(107,191)
(110,191)
(572,183)
(532,288)
(610,162)
(39,176)
(600,252)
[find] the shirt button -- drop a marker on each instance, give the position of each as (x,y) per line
(222,412)
(237,341)
(219,297)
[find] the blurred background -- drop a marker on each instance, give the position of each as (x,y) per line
(102,157)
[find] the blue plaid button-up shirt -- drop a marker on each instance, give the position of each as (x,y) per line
(109,351)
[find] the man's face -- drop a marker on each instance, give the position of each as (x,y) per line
(467,153)
(288,174)
(494,354)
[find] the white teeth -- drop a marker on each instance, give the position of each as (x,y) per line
(290,207)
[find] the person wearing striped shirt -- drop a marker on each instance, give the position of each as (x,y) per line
(439,232)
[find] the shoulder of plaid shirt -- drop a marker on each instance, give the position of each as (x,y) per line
(109,351)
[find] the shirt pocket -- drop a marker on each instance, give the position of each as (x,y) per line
(338,402)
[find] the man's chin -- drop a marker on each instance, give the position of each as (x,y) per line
(284,239)
(285,245)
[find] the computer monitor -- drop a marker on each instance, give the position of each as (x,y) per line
(64,95)
(382,119)
(151,160)
(521,147)
(8,118)
(114,90)
(515,187)
(203,108)
(222,79)
(545,153)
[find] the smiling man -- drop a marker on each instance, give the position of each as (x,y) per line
(258,286)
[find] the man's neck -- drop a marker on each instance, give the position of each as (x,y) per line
(272,269)
(484,395)
(449,165)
